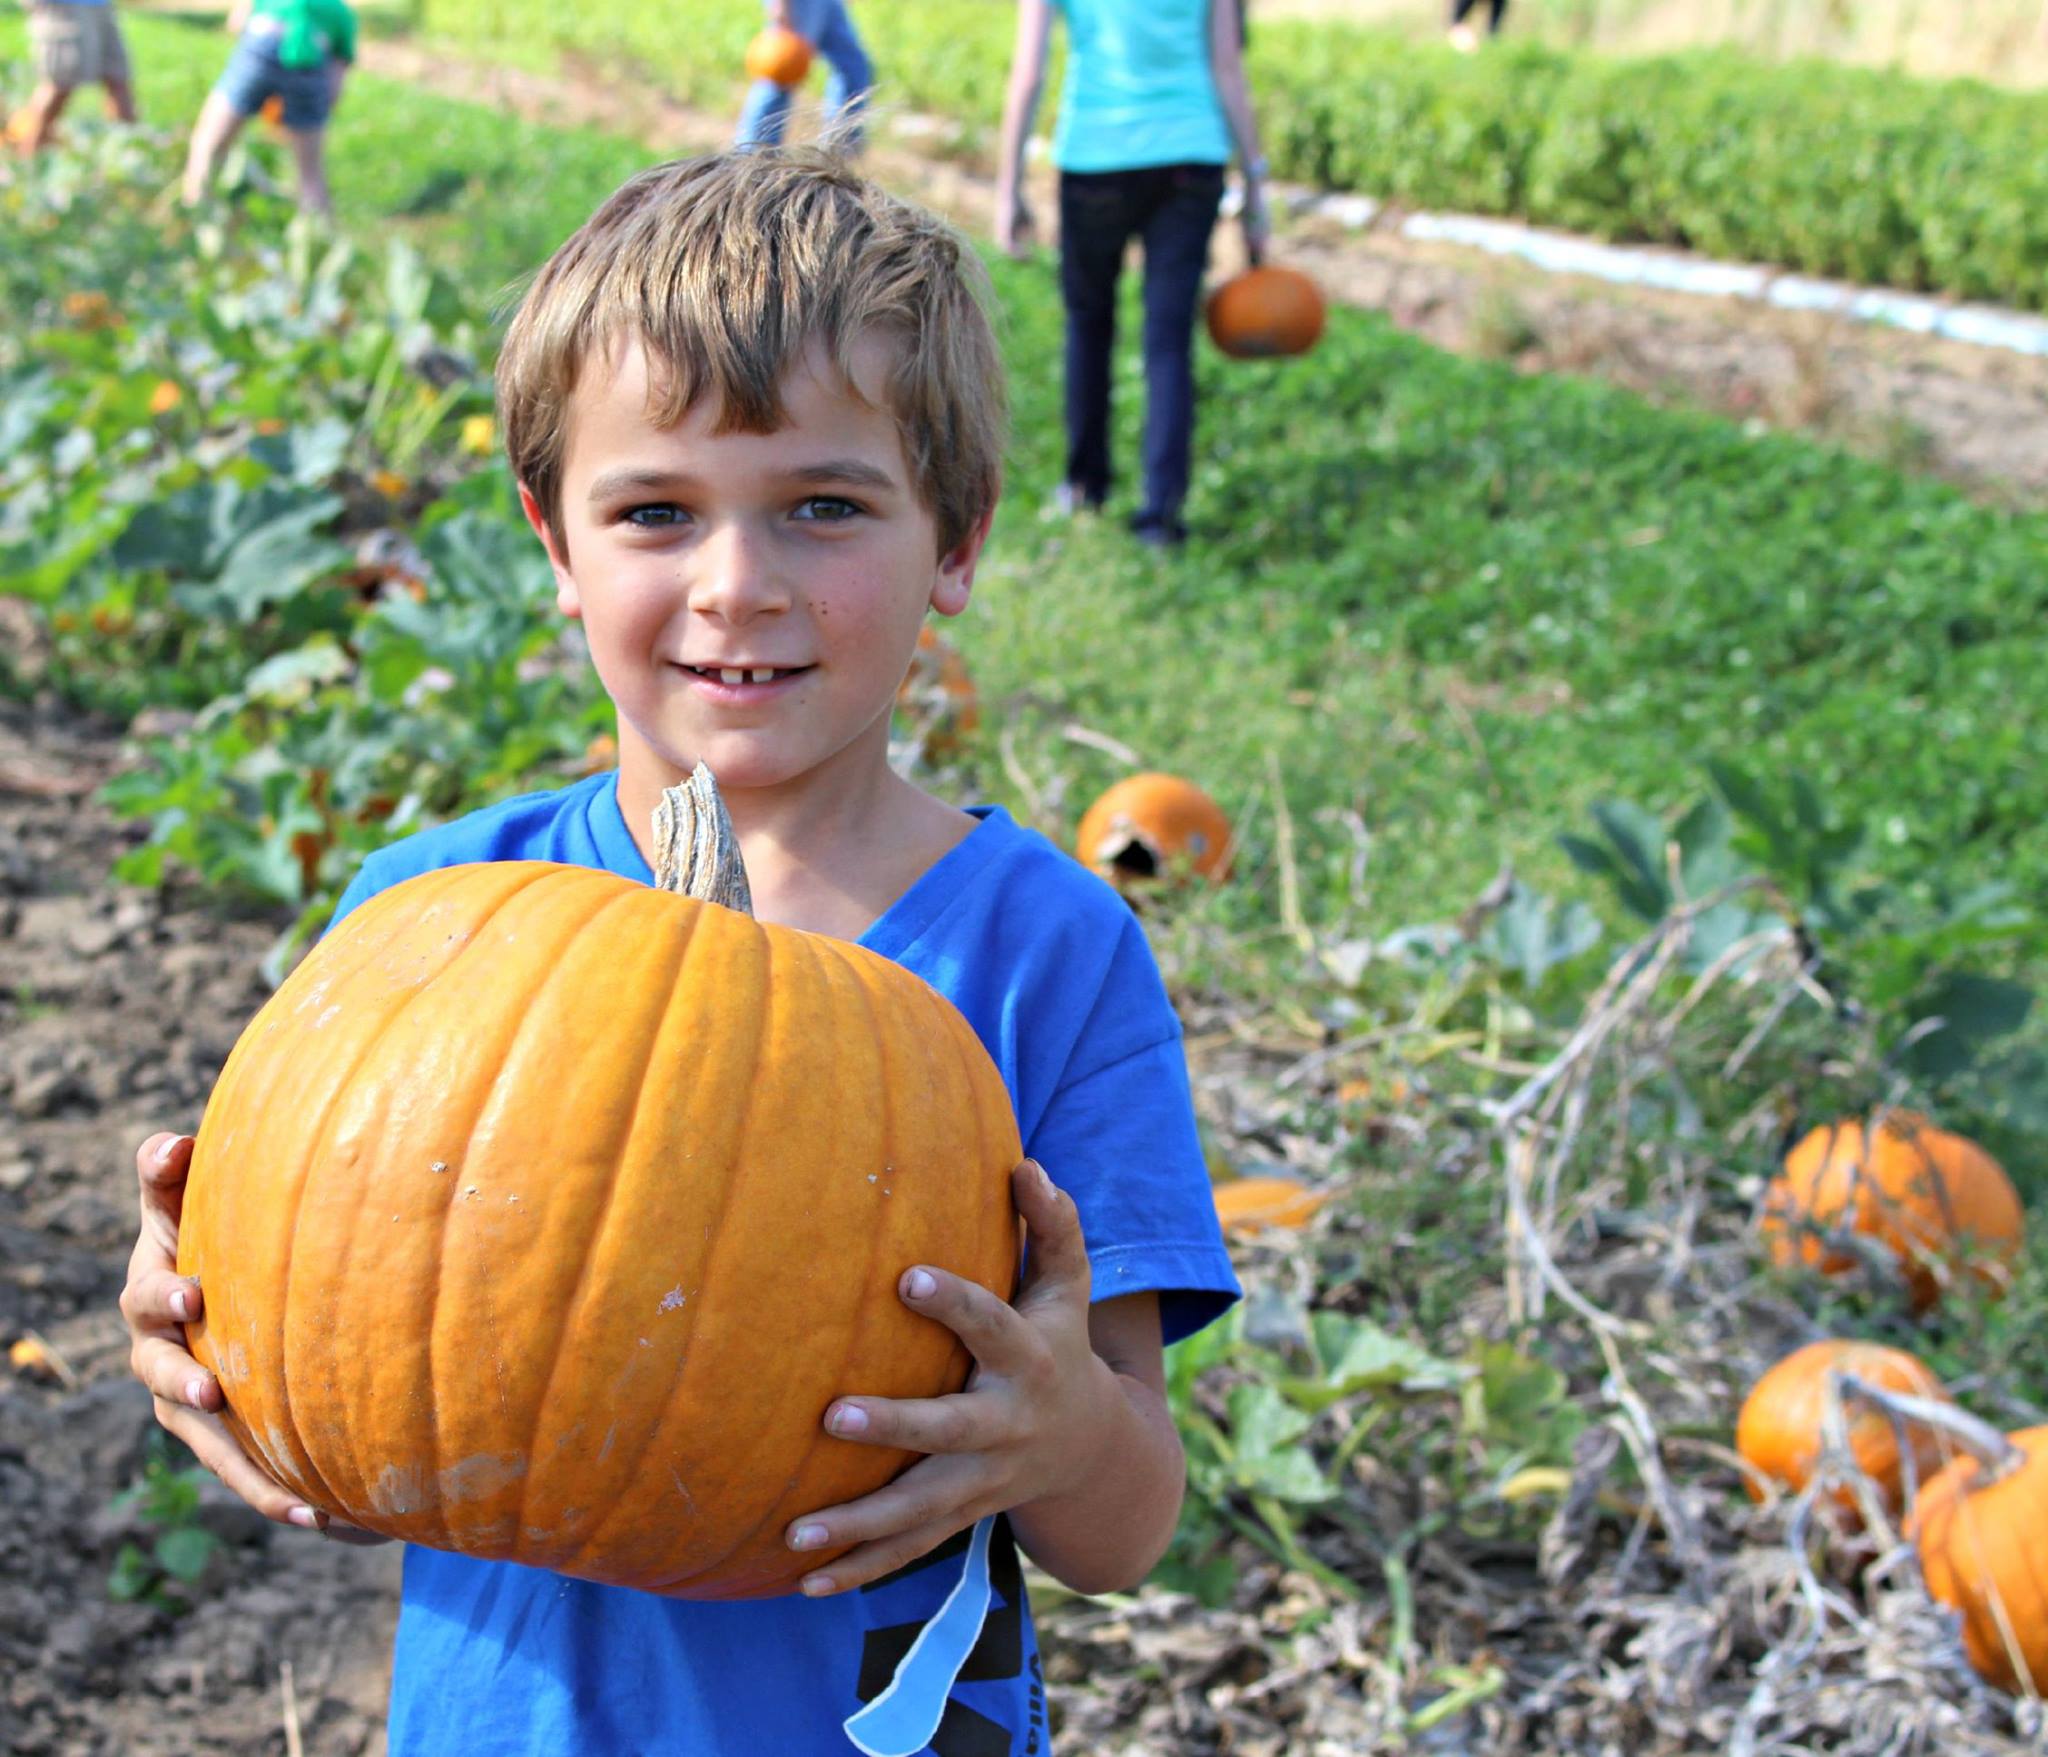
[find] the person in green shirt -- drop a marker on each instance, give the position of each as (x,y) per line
(290,54)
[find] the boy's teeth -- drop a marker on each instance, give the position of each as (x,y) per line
(731,676)
(764,675)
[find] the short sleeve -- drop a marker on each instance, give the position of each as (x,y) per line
(1122,1143)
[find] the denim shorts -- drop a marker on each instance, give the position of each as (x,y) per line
(254,73)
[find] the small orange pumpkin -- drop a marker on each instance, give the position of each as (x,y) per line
(1148,825)
(273,110)
(1781,1429)
(1981,1527)
(938,692)
(542,1213)
(1925,1194)
(1246,1205)
(1266,312)
(779,56)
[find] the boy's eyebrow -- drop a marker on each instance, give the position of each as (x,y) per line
(850,472)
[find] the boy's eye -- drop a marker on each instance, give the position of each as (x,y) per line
(656,516)
(827,509)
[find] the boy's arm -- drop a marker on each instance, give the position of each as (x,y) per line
(1233,91)
(1075,1444)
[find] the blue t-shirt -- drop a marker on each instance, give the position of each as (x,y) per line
(1054,974)
(1139,89)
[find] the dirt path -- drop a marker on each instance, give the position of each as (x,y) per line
(1973,416)
(116,1009)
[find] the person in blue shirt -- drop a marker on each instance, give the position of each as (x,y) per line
(753,489)
(1155,101)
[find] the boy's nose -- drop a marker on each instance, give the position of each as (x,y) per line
(737,578)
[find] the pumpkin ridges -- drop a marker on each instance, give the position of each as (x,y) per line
(814,1391)
(662,972)
(355,1468)
(317,1477)
(755,952)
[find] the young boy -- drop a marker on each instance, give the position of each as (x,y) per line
(755,409)
(75,43)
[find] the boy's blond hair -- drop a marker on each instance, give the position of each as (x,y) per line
(727,270)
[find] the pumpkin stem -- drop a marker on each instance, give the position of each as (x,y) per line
(696,853)
(1993,1451)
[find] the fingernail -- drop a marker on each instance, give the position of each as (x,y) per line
(807,1537)
(1045,1182)
(306,1516)
(849,1418)
(163,1153)
(919,1284)
(817,1585)
(195,1390)
(181,1303)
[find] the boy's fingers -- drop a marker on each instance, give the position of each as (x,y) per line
(991,1328)
(172,1375)
(962,1423)
(1058,1260)
(873,1560)
(217,1450)
(161,1165)
(160,1297)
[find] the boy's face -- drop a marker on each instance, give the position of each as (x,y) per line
(751,599)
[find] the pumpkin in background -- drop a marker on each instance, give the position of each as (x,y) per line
(1247,1205)
(541,1214)
(779,56)
(1147,825)
(1265,312)
(1781,1429)
(938,694)
(1927,1195)
(1981,1527)
(273,110)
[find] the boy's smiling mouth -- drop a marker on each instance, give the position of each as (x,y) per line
(745,676)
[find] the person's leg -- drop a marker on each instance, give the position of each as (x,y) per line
(1500,11)
(219,122)
(1095,225)
(1176,235)
(852,74)
(309,154)
(121,100)
(763,116)
(1463,37)
(45,104)
(114,71)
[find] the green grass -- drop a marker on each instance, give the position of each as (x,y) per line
(1458,602)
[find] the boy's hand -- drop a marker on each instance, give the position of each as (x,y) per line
(1015,227)
(1028,1426)
(157,1303)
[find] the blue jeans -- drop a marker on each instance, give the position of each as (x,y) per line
(1172,209)
(823,24)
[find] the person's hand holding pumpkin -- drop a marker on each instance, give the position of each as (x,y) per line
(156,1304)
(1041,1416)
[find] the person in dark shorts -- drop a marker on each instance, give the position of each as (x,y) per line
(1463,37)
(295,51)
(1154,104)
(73,43)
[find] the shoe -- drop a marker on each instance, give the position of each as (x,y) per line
(1069,498)
(1156,530)
(1464,38)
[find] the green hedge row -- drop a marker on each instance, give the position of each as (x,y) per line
(1870,176)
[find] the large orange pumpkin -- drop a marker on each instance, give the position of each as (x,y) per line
(1928,1196)
(1781,1430)
(541,1214)
(938,693)
(1265,312)
(1148,825)
(779,56)
(1981,1527)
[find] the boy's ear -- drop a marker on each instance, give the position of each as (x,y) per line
(954,582)
(566,599)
